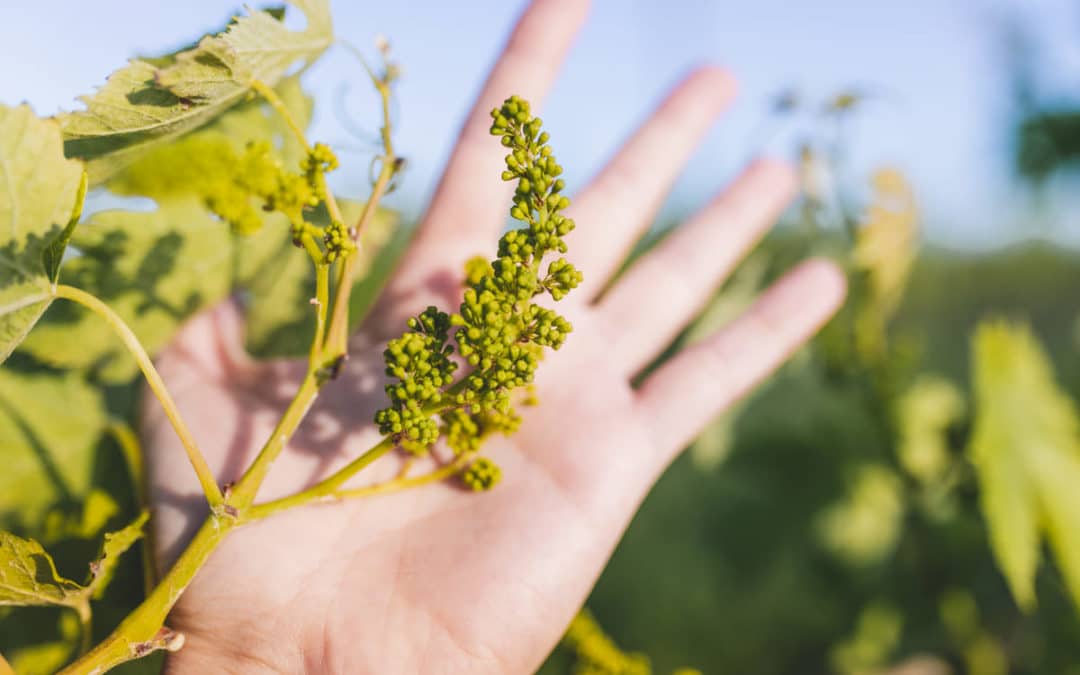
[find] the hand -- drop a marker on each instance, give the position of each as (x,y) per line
(439,579)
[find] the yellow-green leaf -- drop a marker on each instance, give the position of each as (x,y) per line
(87,522)
(49,426)
(28,576)
(37,192)
(115,545)
(144,104)
(153,268)
(194,164)
(1026,451)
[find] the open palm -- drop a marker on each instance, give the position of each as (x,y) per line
(439,579)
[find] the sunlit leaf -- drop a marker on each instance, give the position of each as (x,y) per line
(144,103)
(53,254)
(115,545)
(1026,450)
(49,425)
(37,193)
(87,523)
(28,576)
(153,268)
(193,164)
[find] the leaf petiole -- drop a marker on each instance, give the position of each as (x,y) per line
(157,385)
(132,450)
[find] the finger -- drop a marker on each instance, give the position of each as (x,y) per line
(663,291)
(685,394)
(466,213)
(622,201)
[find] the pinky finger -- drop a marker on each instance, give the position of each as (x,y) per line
(684,395)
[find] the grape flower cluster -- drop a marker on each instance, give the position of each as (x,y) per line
(499,331)
(259,176)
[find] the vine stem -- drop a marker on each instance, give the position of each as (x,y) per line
(398,484)
(336,330)
(139,633)
(328,486)
(133,455)
(337,339)
(322,301)
(86,626)
(271,97)
(157,385)
(135,636)
(248,486)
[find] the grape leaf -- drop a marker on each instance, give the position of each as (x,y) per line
(115,545)
(144,104)
(153,268)
(49,426)
(37,189)
(53,255)
(95,511)
(187,166)
(28,576)
(157,268)
(1026,450)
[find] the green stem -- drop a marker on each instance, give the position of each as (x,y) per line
(398,484)
(157,385)
(271,97)
(307,240)
(135,636)
(337,341)
(327,487)
(86,626)
(322,302)
(248,486)
(133,455)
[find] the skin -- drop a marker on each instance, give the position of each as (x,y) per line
(440,580)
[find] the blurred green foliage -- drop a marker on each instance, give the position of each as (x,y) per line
(726,568)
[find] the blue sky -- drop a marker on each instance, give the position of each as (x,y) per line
(934,66)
